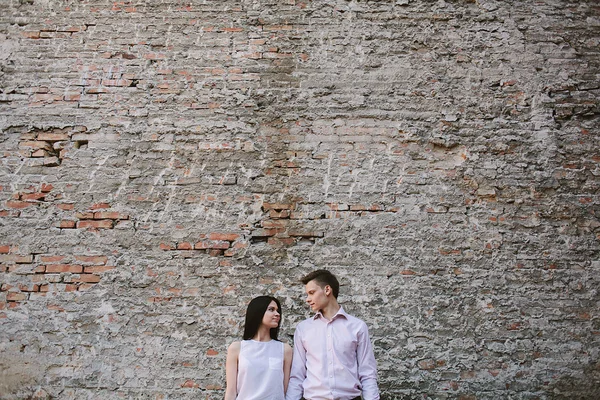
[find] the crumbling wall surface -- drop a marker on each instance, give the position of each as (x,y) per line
(163,162)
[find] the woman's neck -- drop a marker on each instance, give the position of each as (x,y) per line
(263,334)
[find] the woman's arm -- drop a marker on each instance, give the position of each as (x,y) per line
(287,365)
(231,370)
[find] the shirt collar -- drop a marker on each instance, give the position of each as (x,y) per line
(340,313)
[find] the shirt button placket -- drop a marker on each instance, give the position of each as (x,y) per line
(330,356)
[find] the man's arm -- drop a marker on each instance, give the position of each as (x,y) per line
(298,374)
(287,365)
(367,366)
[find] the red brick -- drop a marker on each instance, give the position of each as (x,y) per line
(426,364)
(29,288)
(84,215)
(99,206)
(270,224)
(116,82)
(31,34)
(53,137)
(66,224)
(110,215)
(89,278)
(46,187)
(18,259)
(66,206)
(94,260)
(468,374)
(265,232)
(57,268)
(72,96)
(70,287)
(215,252)
(85,286)
(165,246)
(190,384)
(51,259)
(184,246)
(230,252)
(224,236)
(39,153)
(19,204)
(97,90)
(436,209)
(277,206)
(16,296)
(514,326)
(448,252)
(175,291)
(219,244)
(283,214)
(154,56)
(4,249)
(97,269)
(357,207)
(34,144)
(33,196)
(98,224)
(211,244)
(283,242)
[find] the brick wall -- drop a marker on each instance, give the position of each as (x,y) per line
(163,162)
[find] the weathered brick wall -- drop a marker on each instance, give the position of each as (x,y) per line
(165,161)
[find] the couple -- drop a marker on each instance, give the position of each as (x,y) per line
(332,356)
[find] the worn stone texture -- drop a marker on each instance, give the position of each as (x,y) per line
(163,162)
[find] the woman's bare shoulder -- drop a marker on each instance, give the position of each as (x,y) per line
(234,348)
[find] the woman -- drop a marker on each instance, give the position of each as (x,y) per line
(258,367)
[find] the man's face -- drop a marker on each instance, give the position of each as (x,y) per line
(316,296)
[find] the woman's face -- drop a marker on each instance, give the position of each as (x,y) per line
(271,317)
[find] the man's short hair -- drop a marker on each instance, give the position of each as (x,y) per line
(323,278)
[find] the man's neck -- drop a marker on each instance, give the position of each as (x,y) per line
(330,309)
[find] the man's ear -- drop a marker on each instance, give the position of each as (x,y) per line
(328,290)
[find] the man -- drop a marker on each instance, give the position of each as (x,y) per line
(333,356)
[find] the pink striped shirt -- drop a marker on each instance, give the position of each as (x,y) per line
(333,360)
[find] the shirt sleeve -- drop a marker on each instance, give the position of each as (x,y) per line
(367,366)
(298,373)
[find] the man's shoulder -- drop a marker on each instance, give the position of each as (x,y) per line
(353,319)
(355,322)
(306,322)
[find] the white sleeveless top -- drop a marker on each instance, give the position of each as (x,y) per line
(260,371)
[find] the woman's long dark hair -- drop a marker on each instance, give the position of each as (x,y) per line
(254,316)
